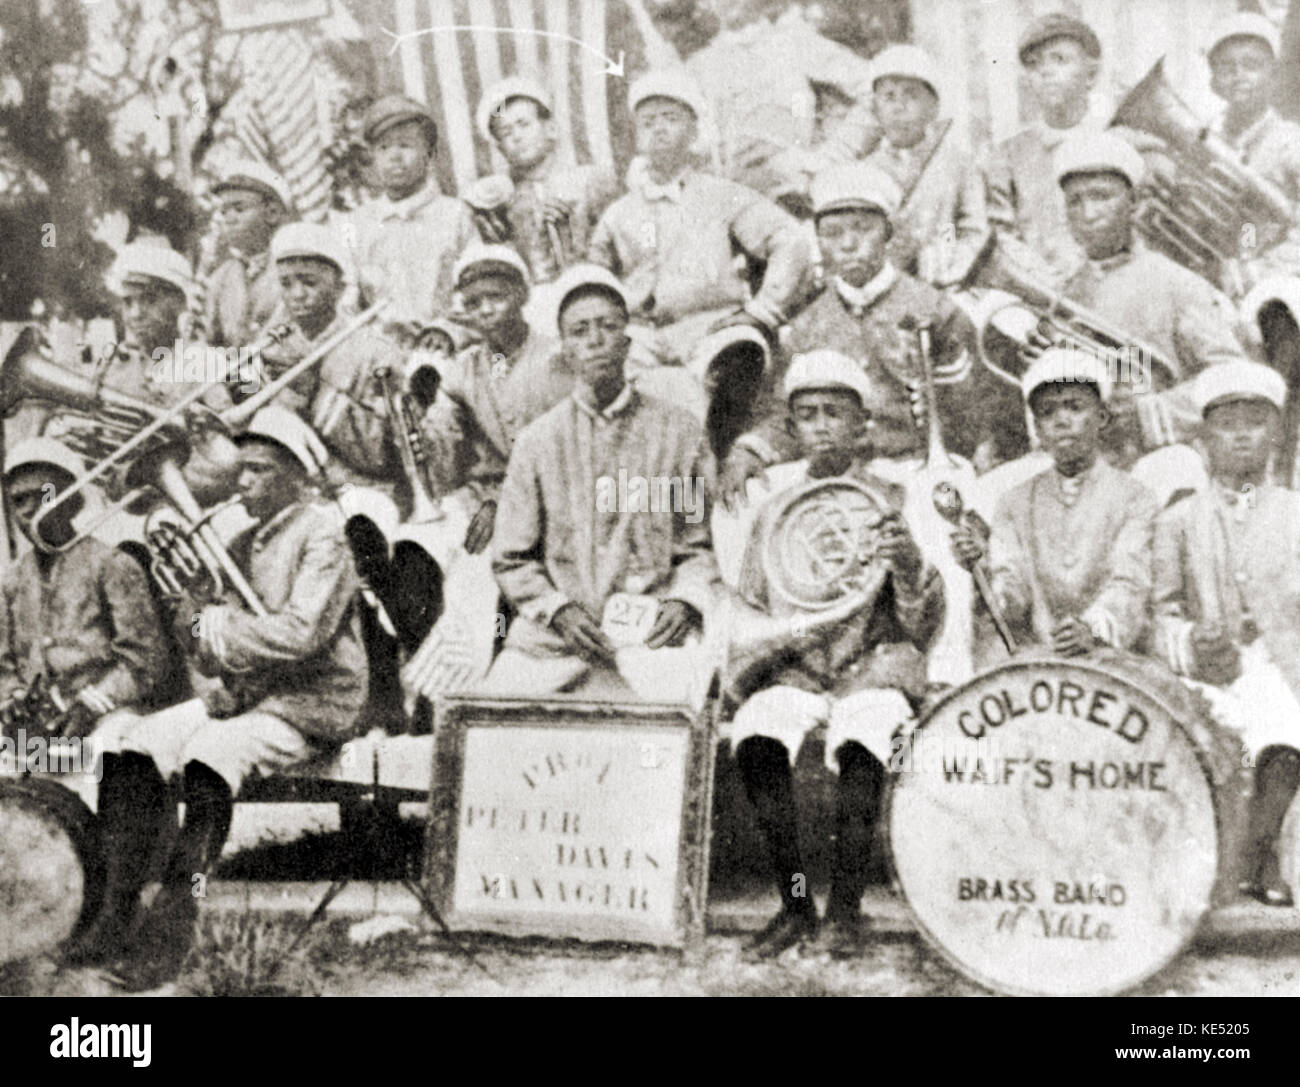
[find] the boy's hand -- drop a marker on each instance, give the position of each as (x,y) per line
(970,542)
(1216,657)
(582,633)
(738,469)
(898,550)
(675,620)
(1073,637)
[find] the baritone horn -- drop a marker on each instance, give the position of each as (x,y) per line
(1200,216)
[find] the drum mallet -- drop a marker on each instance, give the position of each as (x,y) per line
(948,501)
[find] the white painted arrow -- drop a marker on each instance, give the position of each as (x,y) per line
(612,67)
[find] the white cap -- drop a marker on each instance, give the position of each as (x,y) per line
(1094,152)
(667,83)
(478,253)
(309,240)
(577,276)
(1242,380)
(826,370)
(859,185)
(1244,24)
(151,260)
(909,61)
(284,427)
(255,177)
(1066,364)
(43,451)
(501,92)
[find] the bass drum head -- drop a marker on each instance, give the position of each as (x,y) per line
(1055,826)
(51,866)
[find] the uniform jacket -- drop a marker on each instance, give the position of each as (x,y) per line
(240,298)
(1181,316)
(1049,560)
(944,196)
(968,396)
(304,662)
(484,403)
(553,543)
(588,189)
(1214,553)
(1024,199)
(88,619)
(673,246)
(884,646)
(406,249)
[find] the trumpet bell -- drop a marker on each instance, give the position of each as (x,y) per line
(732,363)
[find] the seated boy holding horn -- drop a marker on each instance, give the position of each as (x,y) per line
(857,665)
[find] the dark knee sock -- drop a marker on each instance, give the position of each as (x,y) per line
(209,807)
(1276,779)
(857,801)
(769,783)
(131,807)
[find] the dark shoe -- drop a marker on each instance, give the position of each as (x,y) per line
(1269,887)
(165,936)
(840,938)
(785,930)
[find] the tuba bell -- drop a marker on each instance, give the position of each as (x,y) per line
(1200,218)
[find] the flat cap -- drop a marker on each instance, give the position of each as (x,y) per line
(906,61)
(667,83)
(826,370)
(1244,24)
(44,450)
(1098,152)
(856,185)
(481,260)
(1066,364)
(1059,25)
(286,429)
(152,259)
(395,109)
(315,240)
(502,92)
(255,177)
(580,278)
(1225,382)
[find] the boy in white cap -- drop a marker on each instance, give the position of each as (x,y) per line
(602,536)
(242,292)
(293,682)
(495,387)
(1227,598)
(1243,57)
(862,670)
(340,396)
(869,311)
(673,238)
(1070,552)
(1186,322)
(515,114)
(941,221)
(405,242)
(1061,56)
(81,622)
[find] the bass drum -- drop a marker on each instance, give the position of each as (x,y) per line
(51,866)
(1062,827)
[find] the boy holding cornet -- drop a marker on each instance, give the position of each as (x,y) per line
(857,665)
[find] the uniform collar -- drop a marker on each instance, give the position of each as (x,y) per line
(670,191)
(1094,120)
(1244,141)
(1109,264)
(617,406)
(277,523)
(254,263)
(408,207)
(860,299)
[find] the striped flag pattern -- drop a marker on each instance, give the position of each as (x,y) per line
(280,118)
(562,43)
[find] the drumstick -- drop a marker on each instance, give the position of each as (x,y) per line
(948,501)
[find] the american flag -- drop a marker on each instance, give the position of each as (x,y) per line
(280,115)
(565,44)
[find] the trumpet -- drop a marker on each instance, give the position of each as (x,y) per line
(410,446)
(1199,218)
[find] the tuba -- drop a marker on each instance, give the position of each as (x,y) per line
(1020,301)
(1200,218)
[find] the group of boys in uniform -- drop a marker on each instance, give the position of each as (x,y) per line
(555,381)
